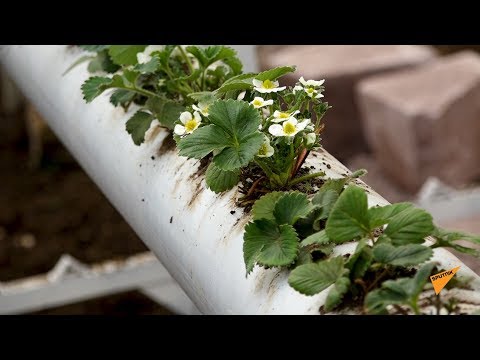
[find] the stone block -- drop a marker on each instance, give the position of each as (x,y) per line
(342,66)
(426,121)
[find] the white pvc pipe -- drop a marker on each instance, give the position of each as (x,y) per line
(189,228)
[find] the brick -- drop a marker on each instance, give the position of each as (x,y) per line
(425,121)
(342,67)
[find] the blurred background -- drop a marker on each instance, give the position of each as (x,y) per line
(408,114)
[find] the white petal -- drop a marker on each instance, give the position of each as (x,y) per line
(179,129)
(185,116)
(257,83)
(241,96)
(276,130)
(277,120)
(143,58)
(151,48)
(300,126)
(295,113)
(268,102)
(195,107)
(319,96)
(311,138)
(270,151)
(275,83)
(262,90)
(276,114)
(197,116)
(320,83)
(302,80)
(260,127)
(278,89)
(292,121)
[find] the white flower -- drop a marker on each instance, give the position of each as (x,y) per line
(279,116)
(311,83)
(312,92)
(259,102)
(202,108)
(267,86)
(288,128)
(145,56)
(241,96)
(266,150)
(190,123)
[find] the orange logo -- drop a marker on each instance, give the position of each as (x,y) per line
(441,279)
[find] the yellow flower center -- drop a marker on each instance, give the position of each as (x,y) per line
(205,110)
(263,149)
(257,102)
(284,115)
(267,84)
(310,90)
(190,125)
(289,128)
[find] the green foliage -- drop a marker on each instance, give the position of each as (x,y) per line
(125,54)
(310,279)
(269,244)
(138,125)
(233,132)
(403,291)
(288,229)
(349,218)
(219,180)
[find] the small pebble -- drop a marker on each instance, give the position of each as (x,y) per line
(232,212)
(171,219)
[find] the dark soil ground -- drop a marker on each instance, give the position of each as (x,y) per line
(57,209)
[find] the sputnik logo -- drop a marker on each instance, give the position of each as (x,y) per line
(441,279)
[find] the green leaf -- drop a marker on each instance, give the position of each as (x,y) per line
(334,184)
(381,215)
(291,207)
(336,294)
(121,96)
(360,261)
(348,218)
(235,64)
(219,180)
(94,86)
(310,279)
(150,67)
(125,54)
(233,133)
(405,255)
(268,244)
(263,207)
(199,53)
(166,111)
(237,155)
(446,238)
(450,236)
(94,48)
(403,291)
(102,62)
(410,226)
(138,125)
(202,142)
(420,279)
(323,202)
(317,238)
(274,74)
(377,300)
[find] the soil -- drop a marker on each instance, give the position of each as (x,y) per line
(254,184)
(57,209)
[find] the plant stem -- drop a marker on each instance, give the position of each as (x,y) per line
(306,177)
(141,91)
(185,57)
